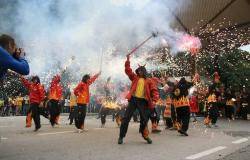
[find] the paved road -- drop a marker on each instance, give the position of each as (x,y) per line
(97,143)
(241,154)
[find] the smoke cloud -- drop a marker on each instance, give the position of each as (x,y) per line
(53,31)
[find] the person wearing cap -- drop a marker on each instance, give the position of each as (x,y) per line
(143,96)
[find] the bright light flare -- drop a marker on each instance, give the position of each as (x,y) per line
(189,43)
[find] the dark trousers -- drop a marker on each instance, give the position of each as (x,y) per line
(135,115)
(72,114)
(81,110)
(154,115)
(213,112)
(44,112)
(159,112)
(142,106)
(54,111)
(35,114)
(183,116)
(173,113)
(243,112)
(169,122)
(229,111)
(104,113)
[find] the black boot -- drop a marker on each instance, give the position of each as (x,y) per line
(120,140)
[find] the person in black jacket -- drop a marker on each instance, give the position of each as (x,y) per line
(181,104)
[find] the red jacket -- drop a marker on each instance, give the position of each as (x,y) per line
(82,90)
(151,91)
(194,104)
(36,91)
(55,91)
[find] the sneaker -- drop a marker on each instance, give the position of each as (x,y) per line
(120,141)
(85,129)
(37,128)
(172,128)
(156,130)
(183,132)
(215,126)
(79,130)
(149,141)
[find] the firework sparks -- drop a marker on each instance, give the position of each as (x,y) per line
(189,43)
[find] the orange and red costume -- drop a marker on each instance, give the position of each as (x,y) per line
(151,91)
(82,90)
(55,91)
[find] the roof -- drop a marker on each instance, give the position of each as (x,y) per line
(207,19)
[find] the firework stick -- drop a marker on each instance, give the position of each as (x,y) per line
(101,59)
(141,44)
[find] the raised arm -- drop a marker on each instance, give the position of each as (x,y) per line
(92,79)
(131,75)
(25,82)
(19,65)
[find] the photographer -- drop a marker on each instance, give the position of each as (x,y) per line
(11,58)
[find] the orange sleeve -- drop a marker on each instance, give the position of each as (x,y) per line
(92,79)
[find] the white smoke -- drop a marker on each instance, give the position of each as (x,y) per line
(53,31)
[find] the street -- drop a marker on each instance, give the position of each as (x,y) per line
(229,141)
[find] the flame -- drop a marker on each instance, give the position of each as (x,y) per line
(110,104)
(183,101)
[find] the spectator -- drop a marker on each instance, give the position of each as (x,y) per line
(10,57)
(25,105)
(66,105)
(19,104)
(1,106)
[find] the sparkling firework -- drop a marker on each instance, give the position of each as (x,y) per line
(189,43)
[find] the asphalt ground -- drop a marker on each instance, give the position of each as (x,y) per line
(63,142)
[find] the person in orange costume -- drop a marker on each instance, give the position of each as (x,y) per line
(36,95)
(143,95)
(82,94)
(55,94)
